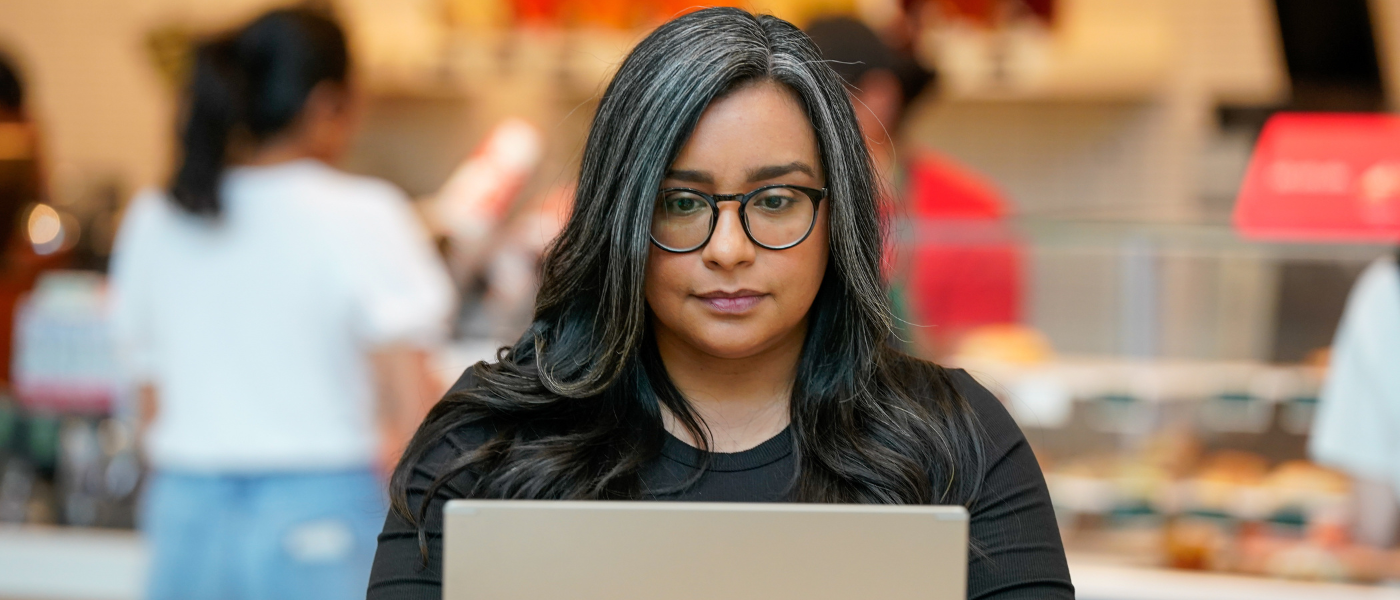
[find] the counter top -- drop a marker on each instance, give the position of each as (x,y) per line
(80,564)
(1098,577)
(70,563)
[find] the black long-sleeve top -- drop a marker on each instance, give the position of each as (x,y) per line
(1012,523)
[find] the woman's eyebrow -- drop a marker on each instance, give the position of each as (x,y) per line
(690,176)
(776,171)
(757,174)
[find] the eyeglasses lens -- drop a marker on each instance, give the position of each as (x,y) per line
(779,217)
(681,220)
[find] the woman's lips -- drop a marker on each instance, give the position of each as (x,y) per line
(732,302)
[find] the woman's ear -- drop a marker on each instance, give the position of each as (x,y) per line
(328,119)
(328,101)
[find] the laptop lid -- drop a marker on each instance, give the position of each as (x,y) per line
(499,550)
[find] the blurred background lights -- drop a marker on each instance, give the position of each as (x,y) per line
(45,229)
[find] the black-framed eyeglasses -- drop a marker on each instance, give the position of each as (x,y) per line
(776,217)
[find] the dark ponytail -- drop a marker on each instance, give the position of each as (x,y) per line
(250,86)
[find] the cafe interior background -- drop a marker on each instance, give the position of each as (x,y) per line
(1163,357)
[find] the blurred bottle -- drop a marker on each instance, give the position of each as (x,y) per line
(26,477)
(97,473)
(479,194)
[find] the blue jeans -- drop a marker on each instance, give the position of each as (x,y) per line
(307,535)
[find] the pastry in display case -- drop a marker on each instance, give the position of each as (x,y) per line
(1202,478)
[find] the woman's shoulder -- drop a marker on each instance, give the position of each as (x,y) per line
(358,199)
(150,208)
(456,442)
(989,409)
(999,428)
(991,415)
(371,192)
(442,454)
(320,195)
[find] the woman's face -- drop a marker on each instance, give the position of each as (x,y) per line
(733,298)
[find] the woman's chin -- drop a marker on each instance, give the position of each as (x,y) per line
(728,346)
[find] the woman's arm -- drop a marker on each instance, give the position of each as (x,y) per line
(1016,549)
(402,571)
(407,389)
(147,406)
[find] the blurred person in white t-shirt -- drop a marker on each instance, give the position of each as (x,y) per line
(1357,426)
(277,315)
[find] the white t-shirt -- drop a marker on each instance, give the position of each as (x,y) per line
(255,328)
(1357,427)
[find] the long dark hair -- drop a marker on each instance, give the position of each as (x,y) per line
(574,407)
(249,86)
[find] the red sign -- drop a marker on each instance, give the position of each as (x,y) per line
(1323,177)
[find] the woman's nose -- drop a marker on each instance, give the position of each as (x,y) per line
(729,246)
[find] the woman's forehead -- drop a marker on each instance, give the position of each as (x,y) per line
(758,127)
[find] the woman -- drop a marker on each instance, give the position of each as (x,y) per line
(254,301)
(712,325)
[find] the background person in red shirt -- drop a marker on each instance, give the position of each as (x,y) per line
(960,267)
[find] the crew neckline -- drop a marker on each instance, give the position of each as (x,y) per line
(298,164)
(774,449)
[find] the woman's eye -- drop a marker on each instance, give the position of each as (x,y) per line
(684,204)
(774,202)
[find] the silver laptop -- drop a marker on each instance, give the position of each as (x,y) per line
(518,550)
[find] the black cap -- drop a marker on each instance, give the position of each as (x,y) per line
(853,50)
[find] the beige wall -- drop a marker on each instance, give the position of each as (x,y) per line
(1385,20)
(103,108)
